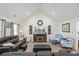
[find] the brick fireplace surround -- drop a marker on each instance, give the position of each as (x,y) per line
(39,37)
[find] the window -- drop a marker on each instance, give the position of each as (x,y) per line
(8,29)
(15,29)
(0,27)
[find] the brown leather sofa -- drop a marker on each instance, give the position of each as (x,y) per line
(10,39)
(17,45)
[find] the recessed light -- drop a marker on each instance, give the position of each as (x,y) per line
(14,15)
(53,13)
(27,12)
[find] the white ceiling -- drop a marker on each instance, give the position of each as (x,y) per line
(63,11)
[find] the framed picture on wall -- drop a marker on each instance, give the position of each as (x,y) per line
(66,27)
(30,29)
(49,29)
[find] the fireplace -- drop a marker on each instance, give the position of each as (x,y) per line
(39,37)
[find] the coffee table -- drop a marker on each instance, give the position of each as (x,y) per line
(41,47)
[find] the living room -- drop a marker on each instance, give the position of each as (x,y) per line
(39,29)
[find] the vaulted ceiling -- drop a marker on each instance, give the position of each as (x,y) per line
(21,11)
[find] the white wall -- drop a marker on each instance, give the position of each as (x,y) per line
(8,30)
(9,19)
(24,26)
(73,31)
(56,26)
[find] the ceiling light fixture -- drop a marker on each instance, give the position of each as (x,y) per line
(27,12)
(14,15)
(53,13)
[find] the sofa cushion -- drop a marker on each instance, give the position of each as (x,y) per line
(2,40)
(8,44)
(7,38)
(14,40)
(15,36)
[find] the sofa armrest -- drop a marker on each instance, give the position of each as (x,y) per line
(17,45)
